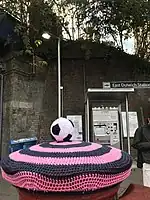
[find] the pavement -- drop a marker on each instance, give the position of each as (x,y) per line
(135,178)
(8,192)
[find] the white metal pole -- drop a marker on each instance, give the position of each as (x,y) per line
(62,101)
(59,81)
(121,128)
(88,120)
(127,123)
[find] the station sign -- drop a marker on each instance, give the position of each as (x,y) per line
(127,84)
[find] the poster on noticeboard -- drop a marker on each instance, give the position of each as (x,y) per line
(77,121)
(133,123)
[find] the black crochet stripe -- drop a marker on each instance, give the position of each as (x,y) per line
(98,152)
(49,145)
(11,167)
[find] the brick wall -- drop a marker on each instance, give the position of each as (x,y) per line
(23,100)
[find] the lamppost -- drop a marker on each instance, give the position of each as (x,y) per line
(47,36)
(2,70)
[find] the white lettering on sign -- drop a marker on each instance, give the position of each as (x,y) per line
(130,84)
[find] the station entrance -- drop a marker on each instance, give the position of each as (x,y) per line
(103,116)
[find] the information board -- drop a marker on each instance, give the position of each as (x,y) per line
(77,121)
(133,123)
(106,126)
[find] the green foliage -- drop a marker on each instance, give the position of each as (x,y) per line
(120,20)
(38,43)
(90,19)
(42,63)
(34,17)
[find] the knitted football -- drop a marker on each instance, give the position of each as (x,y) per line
(62,129)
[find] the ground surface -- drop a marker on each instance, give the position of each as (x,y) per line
(8,192)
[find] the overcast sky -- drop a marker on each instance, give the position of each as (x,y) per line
(129,46)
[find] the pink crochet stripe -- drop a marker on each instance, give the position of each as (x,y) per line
(92,147)
(33,181)
(65,143)
(113,155)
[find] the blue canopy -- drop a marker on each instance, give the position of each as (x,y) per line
(7,26)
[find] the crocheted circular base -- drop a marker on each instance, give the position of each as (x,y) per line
(67,167)
(107,194)
(86,182)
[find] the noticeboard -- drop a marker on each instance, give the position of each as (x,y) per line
(133,123)
(77,121)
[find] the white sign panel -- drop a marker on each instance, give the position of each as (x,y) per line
(133,123)
(77,121)
(105,115)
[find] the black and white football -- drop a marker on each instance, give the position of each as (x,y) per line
(62,129)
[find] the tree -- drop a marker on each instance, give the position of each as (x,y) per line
(119,20)
(34,17)
(110,21)
(141,28)
(69,11)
